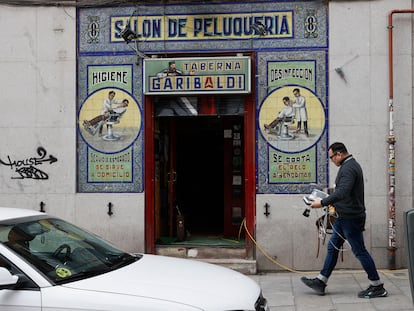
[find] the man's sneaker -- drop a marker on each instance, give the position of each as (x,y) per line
(316,284)
(373,292)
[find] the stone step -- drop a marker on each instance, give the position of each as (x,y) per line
(244,266)
(230,257)
(201,252)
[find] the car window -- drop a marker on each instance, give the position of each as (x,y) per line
(4,263)
(25,282)
(62,251)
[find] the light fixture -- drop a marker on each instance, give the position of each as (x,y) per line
(341,73)
(259,28)
(127,34)
(340,70)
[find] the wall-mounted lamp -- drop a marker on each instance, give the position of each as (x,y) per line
(340,70)
(341,73)
(259,28)
(127,34)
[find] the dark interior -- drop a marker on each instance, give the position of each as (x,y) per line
(200,173)
(194,159)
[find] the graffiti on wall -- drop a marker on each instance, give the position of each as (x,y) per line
(29,168)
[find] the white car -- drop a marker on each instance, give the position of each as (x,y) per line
(49,264)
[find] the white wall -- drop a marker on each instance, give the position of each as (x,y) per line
(38,86)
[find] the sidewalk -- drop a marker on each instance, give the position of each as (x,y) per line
(284,291)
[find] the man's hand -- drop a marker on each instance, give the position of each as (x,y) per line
(316,203)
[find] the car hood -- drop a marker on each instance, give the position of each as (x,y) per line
(180,280)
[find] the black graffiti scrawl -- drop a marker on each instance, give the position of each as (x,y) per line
(28,168)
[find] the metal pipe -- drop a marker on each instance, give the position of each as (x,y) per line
(392,245)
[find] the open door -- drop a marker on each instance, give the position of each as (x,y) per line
(192,143)
(199,163)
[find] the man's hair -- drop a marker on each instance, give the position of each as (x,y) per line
(338,147)
(296,90)
(286,98)
(111,92)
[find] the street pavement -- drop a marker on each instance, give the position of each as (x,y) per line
(285,291)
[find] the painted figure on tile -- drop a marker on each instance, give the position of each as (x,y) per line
(299,103)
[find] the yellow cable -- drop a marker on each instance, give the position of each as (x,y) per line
(243,225)
(263,251)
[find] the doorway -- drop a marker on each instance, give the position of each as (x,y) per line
(198,153)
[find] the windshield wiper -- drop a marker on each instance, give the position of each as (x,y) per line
(124,260)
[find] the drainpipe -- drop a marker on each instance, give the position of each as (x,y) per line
(391,148)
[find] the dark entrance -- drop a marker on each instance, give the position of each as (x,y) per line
(199,160)
(199,180)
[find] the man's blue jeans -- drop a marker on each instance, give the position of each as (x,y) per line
(352,231)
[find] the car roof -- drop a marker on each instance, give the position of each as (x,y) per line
(13,212)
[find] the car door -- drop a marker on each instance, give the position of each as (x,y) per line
(20,299)
(27,298)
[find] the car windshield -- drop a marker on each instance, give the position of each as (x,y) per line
(60,250)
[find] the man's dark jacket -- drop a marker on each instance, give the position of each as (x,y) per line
(348,197)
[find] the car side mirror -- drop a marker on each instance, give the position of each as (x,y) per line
(7,279)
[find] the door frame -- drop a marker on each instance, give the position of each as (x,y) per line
(249,166)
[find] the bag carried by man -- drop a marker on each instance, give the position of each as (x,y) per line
(324,225)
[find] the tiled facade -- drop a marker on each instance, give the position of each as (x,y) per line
(47,89)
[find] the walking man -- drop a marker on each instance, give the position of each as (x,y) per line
(348,200)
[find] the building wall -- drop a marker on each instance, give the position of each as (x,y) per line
(359,117)
(38,79)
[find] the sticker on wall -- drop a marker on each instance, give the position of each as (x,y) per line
(109,120)
(291,118)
